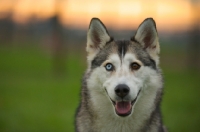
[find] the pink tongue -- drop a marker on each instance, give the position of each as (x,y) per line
(123,107)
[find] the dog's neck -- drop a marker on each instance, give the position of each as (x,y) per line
(107,120)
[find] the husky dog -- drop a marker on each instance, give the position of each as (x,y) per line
(122,87)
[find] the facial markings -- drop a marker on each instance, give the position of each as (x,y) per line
(130,60)
(121,55)
(102,56)
(142,54)
(121,75)
(113,60)
(122,47)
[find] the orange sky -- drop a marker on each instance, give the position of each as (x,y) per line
(169,15)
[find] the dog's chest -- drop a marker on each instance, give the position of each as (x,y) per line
(118,125)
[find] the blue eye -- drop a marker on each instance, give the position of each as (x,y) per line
(109,67)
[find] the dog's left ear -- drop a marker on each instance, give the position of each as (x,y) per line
(147,36)
(97,36)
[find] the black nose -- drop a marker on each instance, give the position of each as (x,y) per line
(122,90)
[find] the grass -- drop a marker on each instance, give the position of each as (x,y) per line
(33,99)
(181,108)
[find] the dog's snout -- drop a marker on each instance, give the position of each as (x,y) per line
(122,90)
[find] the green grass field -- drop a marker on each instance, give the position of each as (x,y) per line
(33,99)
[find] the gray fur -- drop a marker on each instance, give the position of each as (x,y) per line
(87,118)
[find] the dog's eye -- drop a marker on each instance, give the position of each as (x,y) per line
(135,66)
(109,67)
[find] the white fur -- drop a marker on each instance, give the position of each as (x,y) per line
(101,80)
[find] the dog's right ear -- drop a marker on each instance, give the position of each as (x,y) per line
(97,36)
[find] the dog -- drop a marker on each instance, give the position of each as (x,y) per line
(123,85)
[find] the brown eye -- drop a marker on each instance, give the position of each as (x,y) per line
(135,66)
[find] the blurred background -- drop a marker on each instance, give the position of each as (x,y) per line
(43,58)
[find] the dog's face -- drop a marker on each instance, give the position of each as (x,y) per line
(122,68)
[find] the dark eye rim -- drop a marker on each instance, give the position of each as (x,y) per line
(136,64)
(111,68)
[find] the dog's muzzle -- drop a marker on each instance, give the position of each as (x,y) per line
(123,108)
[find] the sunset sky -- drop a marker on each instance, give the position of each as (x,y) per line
(169,15)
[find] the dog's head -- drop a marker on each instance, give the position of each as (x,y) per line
(122,69)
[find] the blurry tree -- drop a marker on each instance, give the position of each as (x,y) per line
(6,29)
(194,38)
(57,41)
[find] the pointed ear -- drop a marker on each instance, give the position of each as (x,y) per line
(97,36)
(147,36)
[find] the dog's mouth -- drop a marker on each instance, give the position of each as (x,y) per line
(124,108)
